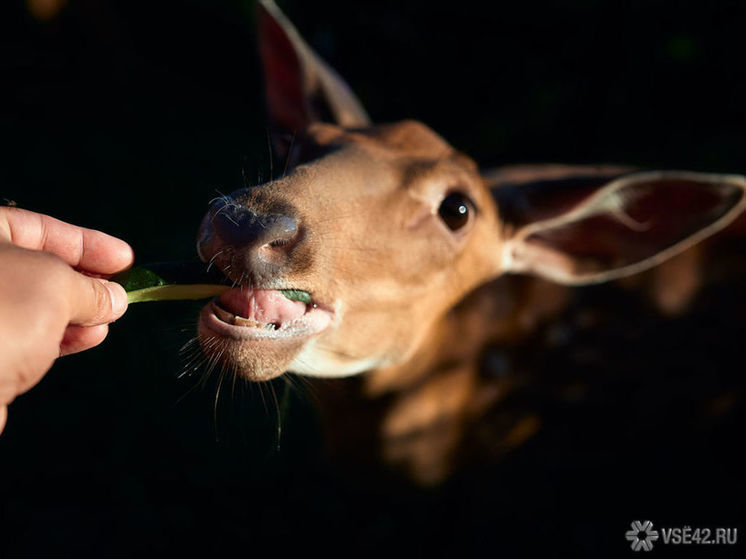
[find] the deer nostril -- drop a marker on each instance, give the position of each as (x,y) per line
(282,230)
(240,226)
(281,236)
(260,244)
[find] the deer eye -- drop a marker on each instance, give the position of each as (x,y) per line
(454,210)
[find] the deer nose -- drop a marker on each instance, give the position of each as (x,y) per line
(239,226)
(260,243)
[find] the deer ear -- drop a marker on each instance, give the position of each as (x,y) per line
(594,230)
(300,87)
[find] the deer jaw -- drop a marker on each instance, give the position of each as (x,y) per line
(379,262)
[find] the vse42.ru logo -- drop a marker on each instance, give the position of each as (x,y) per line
(699,536)
(642,536)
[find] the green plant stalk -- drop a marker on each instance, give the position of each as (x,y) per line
(178,281)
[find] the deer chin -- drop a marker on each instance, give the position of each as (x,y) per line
(257,333)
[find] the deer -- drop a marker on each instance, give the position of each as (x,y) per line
(414,260)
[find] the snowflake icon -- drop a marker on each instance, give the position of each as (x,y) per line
(642,535)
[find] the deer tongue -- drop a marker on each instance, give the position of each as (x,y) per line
(266,306)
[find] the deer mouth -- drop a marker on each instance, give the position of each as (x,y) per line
(245,314)
(257,333)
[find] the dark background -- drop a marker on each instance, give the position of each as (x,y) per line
(129,116)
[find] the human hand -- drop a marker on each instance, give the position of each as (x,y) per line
(50,302)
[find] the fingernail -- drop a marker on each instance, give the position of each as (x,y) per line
(118,298)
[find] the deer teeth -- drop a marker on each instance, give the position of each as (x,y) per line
(231,318)
(241,321)
(291,324)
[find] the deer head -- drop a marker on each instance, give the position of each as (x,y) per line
(387,227)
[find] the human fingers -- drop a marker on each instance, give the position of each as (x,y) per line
(85,249)
(94,301)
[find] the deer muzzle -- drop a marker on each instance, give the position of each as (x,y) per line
(255,327)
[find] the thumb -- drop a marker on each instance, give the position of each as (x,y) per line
(95,301)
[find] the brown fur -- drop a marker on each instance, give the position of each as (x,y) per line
(415,304)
